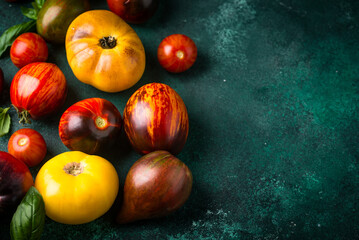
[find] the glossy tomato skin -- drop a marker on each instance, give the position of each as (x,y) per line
(38,89)
(155,186)
(104,51)
(90,125)
(28,146)
(134,11)
(177,53)
(16,180)
(77,188)
(28,48)
(55,17)
(155,118)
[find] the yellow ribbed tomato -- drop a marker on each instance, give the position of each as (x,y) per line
(104,51)
(77,188)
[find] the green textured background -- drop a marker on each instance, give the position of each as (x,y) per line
(273,105)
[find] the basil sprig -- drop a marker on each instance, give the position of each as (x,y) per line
(9,36)
(29,219)
(5,121)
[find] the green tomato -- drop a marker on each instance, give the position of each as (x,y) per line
(55,17)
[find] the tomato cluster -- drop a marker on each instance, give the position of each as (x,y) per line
(106,53)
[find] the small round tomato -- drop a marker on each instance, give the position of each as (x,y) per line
(28,48)
(28,146)
(77,188)
(134,11)
(90,125)
(177,53)
(37,90)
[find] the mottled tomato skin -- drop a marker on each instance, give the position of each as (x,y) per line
(155,118)
(156,185)
(90,125)
(15,181)
(177,53)
(28,48)
(38,89)
(55,17)
(1,80)
(28,146)
(134,11)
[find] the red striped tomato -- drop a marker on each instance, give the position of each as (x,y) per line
(37,90)
(28,48)
(90,125)
(155,118)
(27,145)
(177,53)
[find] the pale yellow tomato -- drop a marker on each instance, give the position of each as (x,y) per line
(77,188)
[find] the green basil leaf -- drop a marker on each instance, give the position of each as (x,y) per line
(5,121)
(39,3)
(29,12)
(9,36)
(29,219)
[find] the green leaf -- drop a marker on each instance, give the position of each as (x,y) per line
(39,3)
(29,219)
(5,121)
(29,12)
(9,36)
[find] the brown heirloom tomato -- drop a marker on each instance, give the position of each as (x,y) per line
(104,51)
(156,185)
(90,125)
(155,118)
(37,90)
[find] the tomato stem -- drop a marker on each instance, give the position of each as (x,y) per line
(74,168)
(23,115)
(108,42)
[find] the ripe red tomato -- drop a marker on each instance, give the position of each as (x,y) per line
(155,118)
(134,11)
(177,53)
(1,80)
(28,48)
(37,90)
(27,145)
(90,125)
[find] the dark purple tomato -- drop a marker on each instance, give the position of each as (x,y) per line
(1,80)
(90,125)
(156,185)
(134,11)
(15,181)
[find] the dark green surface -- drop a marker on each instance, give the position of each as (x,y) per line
(273,105)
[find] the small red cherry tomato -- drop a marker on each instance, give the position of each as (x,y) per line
(28,48)
(27,145)
(37,90)
(177,53)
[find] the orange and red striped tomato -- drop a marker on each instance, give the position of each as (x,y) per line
(90,125)
(177,53)
(28,48)
(37,90)
(155,118)
(27,145)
